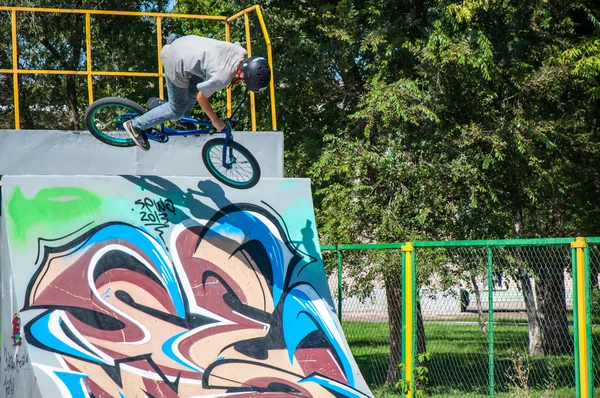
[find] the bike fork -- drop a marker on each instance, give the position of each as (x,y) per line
(227,159)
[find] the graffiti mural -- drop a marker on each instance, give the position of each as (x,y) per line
(168,305)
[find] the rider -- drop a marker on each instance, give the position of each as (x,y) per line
(195,68)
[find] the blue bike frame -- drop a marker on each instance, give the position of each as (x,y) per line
(163,133)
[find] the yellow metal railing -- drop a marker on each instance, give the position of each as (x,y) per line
(90,73)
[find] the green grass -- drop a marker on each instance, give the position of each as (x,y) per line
(459,360)
(382,392)
(501,317)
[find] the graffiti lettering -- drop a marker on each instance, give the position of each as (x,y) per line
(222,309)
(12,365)
(155,214)
(9,385)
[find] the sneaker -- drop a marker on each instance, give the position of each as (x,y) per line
(138,137)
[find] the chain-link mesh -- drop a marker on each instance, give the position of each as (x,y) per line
(595,308)
(532,294)
(331,270)
(452,286)
(372,321)
(533,318)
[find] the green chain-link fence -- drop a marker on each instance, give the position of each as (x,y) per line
(496,317)
(367,318)
(533,293)
(454,318)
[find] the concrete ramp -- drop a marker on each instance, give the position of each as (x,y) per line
(54,152)
(145,286)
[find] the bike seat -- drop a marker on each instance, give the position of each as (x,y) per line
(153,102)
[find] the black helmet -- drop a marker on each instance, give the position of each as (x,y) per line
(257,73)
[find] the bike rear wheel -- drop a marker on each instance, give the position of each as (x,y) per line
(240,170)
(105,118)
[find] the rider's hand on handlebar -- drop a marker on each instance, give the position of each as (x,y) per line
(219,125)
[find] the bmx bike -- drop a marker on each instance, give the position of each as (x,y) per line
(226,160)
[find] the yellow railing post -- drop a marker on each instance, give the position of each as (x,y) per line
(228,38)
(15,68)
(249,49)
(90,73)
(161,90)
(88,50)
(579,246)
(270,60)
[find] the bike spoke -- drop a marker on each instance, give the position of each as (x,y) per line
(240,171)
(108,121)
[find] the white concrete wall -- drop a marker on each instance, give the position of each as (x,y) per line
(50,152)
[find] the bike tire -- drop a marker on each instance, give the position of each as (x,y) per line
(118,138)
(243,177)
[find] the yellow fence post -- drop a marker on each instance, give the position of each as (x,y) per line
(408,304)
(249,49)
(582,348)
(15,68)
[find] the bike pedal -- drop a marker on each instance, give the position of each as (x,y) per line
(162,137)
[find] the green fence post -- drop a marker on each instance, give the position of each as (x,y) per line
(490,321)
(575,320)
(414,313)
(339,260)
(588,319)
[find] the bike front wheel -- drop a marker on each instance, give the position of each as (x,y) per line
(240,168)
(105,118)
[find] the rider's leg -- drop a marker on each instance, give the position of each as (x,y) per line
(174,109)
(192,93)
(171,110)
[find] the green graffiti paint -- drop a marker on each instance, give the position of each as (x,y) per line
(48,206)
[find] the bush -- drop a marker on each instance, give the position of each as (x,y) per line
(595,299)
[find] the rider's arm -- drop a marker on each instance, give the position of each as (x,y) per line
(207,108)
(205,90)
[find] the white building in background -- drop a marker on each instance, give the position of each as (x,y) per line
(459,301)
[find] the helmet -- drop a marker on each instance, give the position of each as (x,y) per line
(257,73)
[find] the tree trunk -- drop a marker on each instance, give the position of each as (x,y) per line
(535,327)
(72,114)
(482,324)
(533,319)
(552,304)
(594,274)
(76,48)
(27,122)
(69,63)
(421,344)
(393,292)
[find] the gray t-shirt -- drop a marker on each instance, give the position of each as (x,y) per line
(214,61)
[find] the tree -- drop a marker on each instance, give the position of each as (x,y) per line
(482,131)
